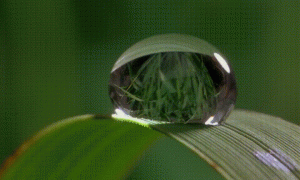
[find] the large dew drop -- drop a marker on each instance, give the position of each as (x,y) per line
(173,78)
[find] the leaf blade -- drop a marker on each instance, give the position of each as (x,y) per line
(72,149)
(244,135)
(248,146)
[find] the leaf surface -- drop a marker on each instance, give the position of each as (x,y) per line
(249,145)
(84,147)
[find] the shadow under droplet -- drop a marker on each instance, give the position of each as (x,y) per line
(180,127)
(102,116)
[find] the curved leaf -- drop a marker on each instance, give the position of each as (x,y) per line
(249,145)
(84,147)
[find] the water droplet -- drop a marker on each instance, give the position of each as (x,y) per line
(173,78)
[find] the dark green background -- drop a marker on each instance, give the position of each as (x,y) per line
(56,55)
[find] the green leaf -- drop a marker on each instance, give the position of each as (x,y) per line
(84,147)
(248,146)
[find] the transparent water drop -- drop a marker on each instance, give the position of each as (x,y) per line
(173,78)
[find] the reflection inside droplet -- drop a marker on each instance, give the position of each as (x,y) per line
(171,86)
(174,86)
(210,121)
(223,62)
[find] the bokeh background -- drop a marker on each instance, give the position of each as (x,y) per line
(56,55)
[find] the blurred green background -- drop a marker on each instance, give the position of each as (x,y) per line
(56,55)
